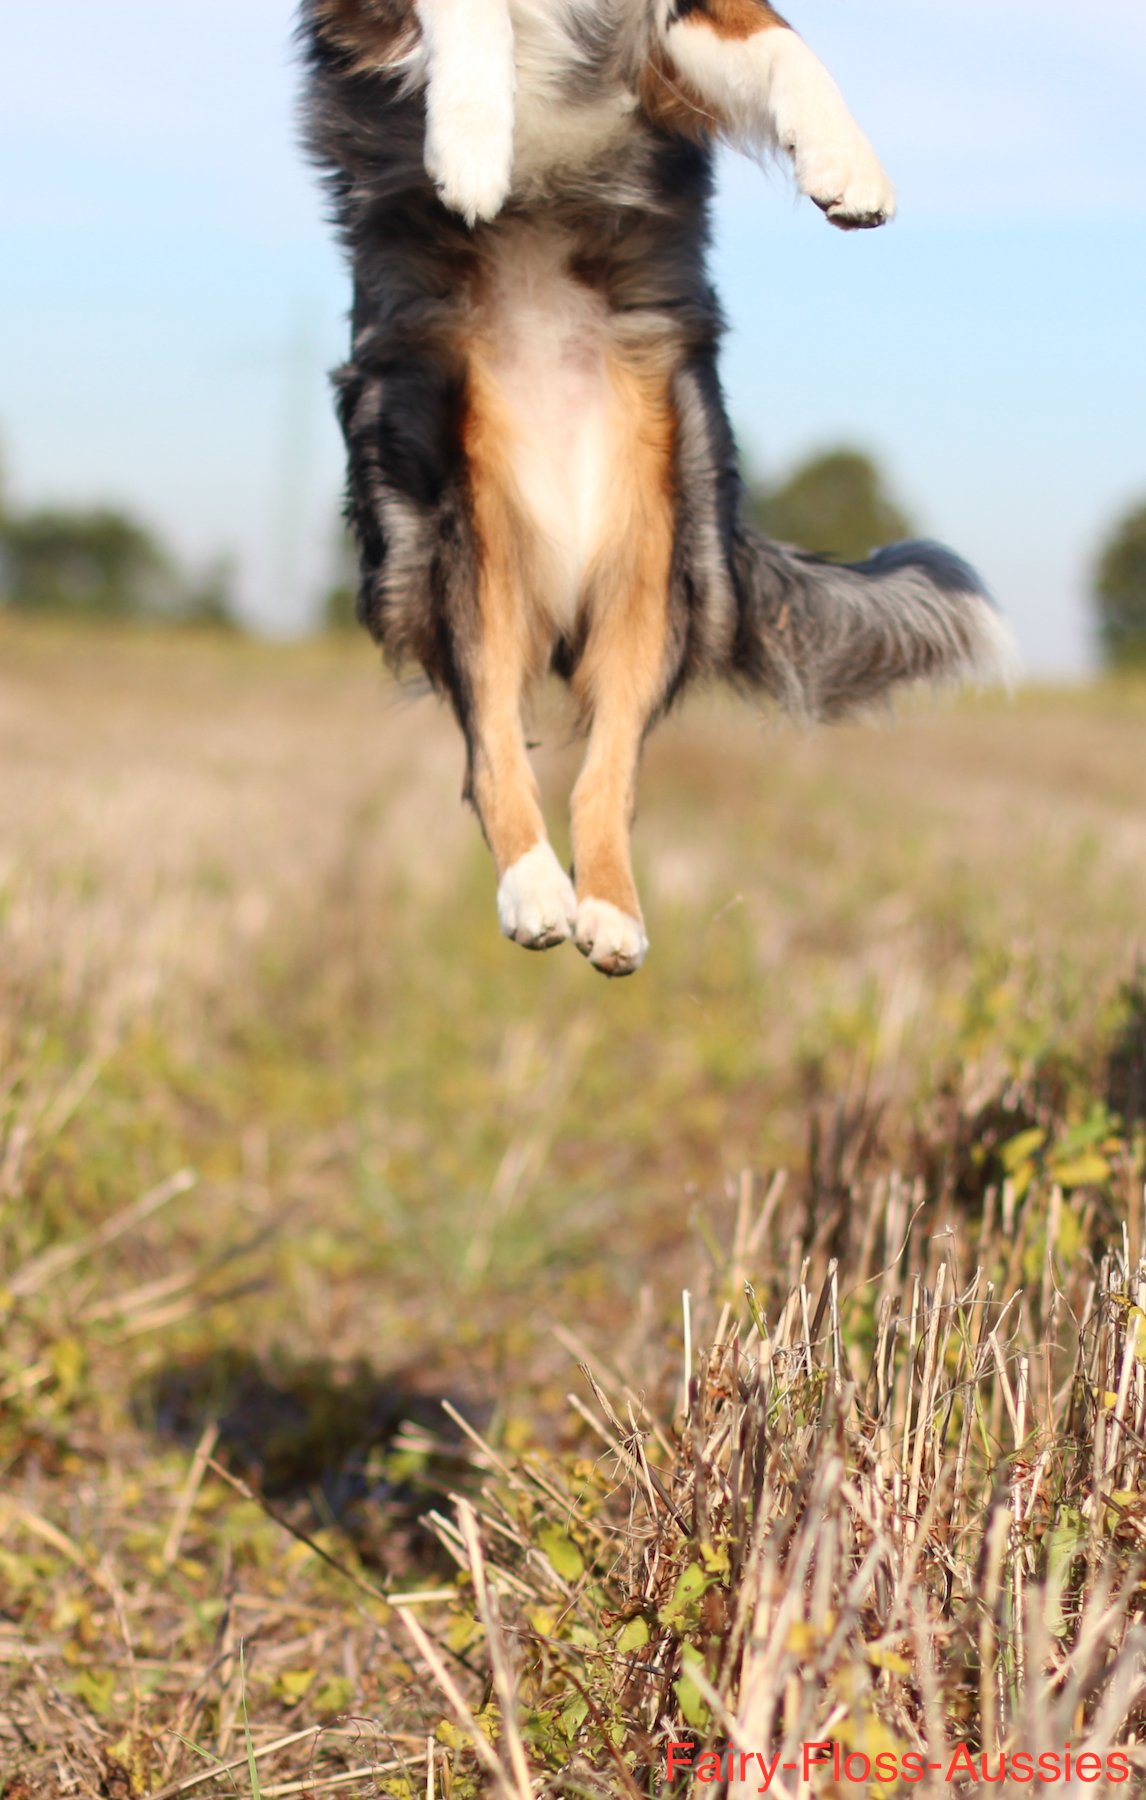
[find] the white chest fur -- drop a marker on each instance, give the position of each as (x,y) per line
(563,118)
(546,346)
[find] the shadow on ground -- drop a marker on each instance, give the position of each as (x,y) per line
(335,1446)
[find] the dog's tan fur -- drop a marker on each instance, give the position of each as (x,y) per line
(510,650)
(671,102)
(735,18)
(620,678)
(669,97)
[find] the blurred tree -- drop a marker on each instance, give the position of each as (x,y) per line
(1120,593)
(94,563)
(103,564)
(211,600)
(340,602)
(835,504)
(340,608)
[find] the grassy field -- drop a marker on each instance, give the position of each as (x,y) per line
(247,933)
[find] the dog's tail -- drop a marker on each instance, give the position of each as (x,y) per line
(827,639)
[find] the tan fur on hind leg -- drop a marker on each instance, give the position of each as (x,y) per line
(621,679)
(535,899)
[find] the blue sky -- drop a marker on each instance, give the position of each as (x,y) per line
(169,296)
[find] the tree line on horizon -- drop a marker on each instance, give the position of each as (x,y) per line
(1120,592)
(103,563)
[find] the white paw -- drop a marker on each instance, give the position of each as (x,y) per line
(614,943)
(536,905)
(835,165)
(847,182)
(469,159)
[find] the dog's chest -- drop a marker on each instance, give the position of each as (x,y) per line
(575,82)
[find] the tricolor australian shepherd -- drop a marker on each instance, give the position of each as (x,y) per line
(542,474)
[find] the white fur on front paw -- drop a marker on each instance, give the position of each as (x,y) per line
(834,162)
(470,84)
(769,88)
(848,183)
(469,158)
(613,941)
(536,905)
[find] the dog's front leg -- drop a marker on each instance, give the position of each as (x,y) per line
(760,84)
(471,78)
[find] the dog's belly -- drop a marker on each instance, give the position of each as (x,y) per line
(548,337)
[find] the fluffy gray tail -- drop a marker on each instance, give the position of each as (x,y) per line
(827,639)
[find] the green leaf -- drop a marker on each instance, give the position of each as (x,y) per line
(715,1560)
(67,1358)
(542,1729)
(1089,1131)
(1017,1149)
(635,1635)
(1022,1178)
(1066,1541)
(887,1659)
(1069,1237)
(562,1553)
(688,1592)
(95,1688)
(334,1696)
(693,1706)
(292,1684)
(755,1310)
(574,1716)
(488,1721)
(463,1630)
(1087,1170)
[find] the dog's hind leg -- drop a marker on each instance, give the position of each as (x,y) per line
(622,676)
(535,901)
